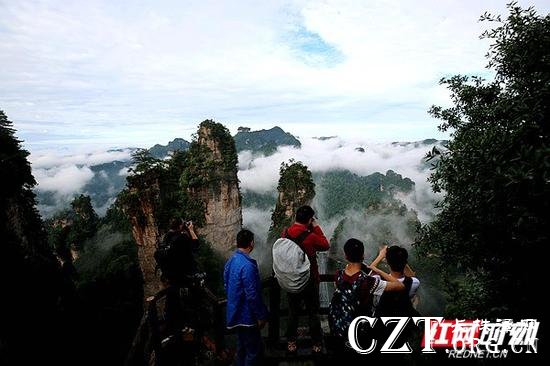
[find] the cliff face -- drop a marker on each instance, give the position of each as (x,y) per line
(141,204)
(213,181)
(200,184)
(223,217)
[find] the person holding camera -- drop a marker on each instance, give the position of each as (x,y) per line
(313,240)
(179,327)
(176,254)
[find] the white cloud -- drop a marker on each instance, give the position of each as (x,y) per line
(64,180)
(45,159)
(124,172)
(261,174)
(126,72)
(66,175)
(258,221)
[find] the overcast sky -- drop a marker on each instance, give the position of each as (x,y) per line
(134,73)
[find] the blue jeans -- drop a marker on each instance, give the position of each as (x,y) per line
(249,348)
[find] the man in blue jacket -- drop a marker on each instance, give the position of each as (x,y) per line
(246,311)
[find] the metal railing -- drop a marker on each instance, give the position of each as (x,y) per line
(143,345)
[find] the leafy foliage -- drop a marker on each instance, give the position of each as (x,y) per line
(343,190)
(102,286)
(388,222)
(85,221)
(30,275)
(495,174)
(211,159)
(144,162)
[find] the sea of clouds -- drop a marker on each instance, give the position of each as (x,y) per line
(65,176)
(260,174)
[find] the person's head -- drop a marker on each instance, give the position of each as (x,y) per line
(305,215)
(176,224)
(396,257)
(245,240)
(354,250)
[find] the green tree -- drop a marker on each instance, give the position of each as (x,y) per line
(29,272)
(144,162)
(493,226)
(84,223)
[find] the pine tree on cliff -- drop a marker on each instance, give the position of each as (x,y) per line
(29,272)
(296,188)
(85,222)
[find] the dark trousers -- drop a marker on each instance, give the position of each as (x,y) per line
(250,347)
(309,296)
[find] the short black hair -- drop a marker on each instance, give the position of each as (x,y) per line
(354,250)
(396,257)
(304,213)
(175,223)
(244,238)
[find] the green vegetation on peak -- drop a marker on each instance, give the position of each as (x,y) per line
(211,158)
(343,190)
(296,188)
(265,142)
(422,143)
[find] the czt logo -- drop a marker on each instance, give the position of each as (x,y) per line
(477,338)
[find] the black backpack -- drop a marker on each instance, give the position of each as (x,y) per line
(345,304)
(397,303)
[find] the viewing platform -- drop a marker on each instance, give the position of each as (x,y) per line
(221,342)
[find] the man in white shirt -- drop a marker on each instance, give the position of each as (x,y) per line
(397,257)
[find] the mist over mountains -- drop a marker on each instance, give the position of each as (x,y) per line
(351,175)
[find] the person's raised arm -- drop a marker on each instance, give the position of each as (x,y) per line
(408,271)
(392,283)
(385,276)
(191,228)
(195,243)
(381,255)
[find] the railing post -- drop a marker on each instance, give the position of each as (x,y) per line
(274,310)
